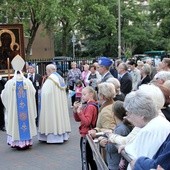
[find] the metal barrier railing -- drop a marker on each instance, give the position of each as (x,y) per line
(97,155)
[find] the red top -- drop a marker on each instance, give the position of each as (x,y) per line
(87,117)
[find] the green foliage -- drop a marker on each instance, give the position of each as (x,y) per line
(98,24)
(95,23)
(160,15)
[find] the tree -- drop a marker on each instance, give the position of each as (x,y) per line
(136,28)
(32,13)
(160,15)
(97,25)
(64,24)
(95,22)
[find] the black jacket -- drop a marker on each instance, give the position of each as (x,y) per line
(126,83)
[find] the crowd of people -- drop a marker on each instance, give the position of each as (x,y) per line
(128,101)
(133,113)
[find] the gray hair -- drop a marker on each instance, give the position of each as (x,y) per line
(107,90)
(155,93)
(163,75)
(124,66)
(141,63)
(51,67)
(115,82)
(146,69)
(73,63)
(140,104)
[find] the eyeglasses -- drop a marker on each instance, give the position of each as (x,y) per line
(157,78)
(128,114)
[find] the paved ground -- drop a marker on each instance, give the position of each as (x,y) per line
(43,156)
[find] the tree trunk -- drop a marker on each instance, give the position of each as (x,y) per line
(33,32)
(64,43)
(66,31)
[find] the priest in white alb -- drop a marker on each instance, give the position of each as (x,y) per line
(18,98)
(54,122)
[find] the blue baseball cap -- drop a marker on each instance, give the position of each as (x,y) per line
(104,61)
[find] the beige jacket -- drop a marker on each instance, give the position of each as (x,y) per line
(105,119)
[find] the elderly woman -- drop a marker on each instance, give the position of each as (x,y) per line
(145,73)
(158,98)
(105,120)
(142,113)
(162,157)
(119,95)
(161,77)
(73,75)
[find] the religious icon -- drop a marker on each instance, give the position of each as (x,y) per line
(11,43)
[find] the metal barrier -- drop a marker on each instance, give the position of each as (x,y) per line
(125,155)
(97,156)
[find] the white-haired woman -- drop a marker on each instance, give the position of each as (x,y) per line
(156,94)
(143,113)
(105,120)
(161,77)
(158,98)
(119,95)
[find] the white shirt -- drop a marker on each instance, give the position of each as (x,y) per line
(149,138)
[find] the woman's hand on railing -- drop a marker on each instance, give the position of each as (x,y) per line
(92,133)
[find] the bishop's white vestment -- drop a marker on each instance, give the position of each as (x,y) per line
(54,122)
(20,124)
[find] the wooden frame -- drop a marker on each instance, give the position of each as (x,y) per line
(11,44)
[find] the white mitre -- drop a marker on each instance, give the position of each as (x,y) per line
(18,64)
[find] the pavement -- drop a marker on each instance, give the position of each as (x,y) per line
(42,156)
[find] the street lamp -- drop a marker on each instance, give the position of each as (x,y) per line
(73,41)
(119,30)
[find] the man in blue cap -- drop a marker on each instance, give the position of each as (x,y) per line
(103,68)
